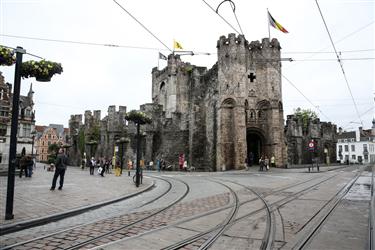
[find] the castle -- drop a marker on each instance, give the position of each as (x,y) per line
(215,117)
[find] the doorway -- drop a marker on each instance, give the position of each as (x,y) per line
(254,145)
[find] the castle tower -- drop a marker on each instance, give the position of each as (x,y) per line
(250,113)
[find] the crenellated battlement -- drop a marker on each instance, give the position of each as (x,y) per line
(232,40)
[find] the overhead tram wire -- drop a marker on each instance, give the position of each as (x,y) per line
(348,124)
(289,81)
(142,25)
(81,43)
(221,17)
(233,5)
(339,61)
(340,40)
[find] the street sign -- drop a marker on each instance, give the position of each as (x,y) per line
(311,146)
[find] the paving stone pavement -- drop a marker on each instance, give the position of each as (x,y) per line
(33,198)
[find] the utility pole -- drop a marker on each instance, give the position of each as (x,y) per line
(13,135)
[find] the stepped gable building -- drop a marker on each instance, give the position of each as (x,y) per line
(216,117)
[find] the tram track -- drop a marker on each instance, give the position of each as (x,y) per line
(267,239)
(14,246)
(313,225)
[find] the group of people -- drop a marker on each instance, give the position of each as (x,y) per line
(26,164)
(264,162)
(102,164)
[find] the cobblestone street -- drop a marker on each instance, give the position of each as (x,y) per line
(187,210)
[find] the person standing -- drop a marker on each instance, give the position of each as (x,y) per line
(29,165)
(92,165)
(60,167)
(23,166)
(266,163)
(181,159)
(261,163)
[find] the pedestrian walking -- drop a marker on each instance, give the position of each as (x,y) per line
(60,168)
(23,166)
(261,163)
(106,165)
(92,165)
(266,163)
(158,164)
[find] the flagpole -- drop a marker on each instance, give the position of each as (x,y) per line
(268,23)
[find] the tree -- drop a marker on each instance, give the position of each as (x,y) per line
(305,115)
(53,149)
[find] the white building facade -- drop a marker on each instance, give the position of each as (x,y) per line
(356,147)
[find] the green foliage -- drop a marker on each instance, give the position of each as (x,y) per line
(53,149)
(305,115)
(7,57)
(138,117)
(41,70)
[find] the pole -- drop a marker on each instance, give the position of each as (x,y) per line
(137,173)
(122,154)
(268,23)
(13,135)
(32,149)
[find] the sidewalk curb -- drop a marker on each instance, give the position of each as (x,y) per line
(11,228)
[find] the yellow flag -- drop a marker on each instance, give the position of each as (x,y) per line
(176,45)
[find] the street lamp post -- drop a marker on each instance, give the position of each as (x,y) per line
(13,135)
(121,142)
(33,133)
(91,144)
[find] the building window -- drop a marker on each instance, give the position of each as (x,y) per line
(340,148)
(346,148)
(26,130)
(366,157)
(1,158)
(353,148)
(371,147)
(353,157)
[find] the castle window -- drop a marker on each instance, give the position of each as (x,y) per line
(162,86)
(1,94)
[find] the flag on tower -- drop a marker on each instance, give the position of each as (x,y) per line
(163,57)
(275,24)
(177,45)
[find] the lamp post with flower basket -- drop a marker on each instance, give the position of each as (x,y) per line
(139,118)
(27,69)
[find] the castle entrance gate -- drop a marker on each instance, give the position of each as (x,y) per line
(255,144)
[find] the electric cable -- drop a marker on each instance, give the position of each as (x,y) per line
(232,4)
(143,26)
(339,61)
(221,17)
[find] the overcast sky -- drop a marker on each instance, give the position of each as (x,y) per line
(95,77)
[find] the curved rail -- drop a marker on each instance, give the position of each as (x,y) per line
(75,227)
(77,246)
(219,229)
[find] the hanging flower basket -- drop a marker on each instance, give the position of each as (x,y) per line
(42,70)
(138,117)
(7,57)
